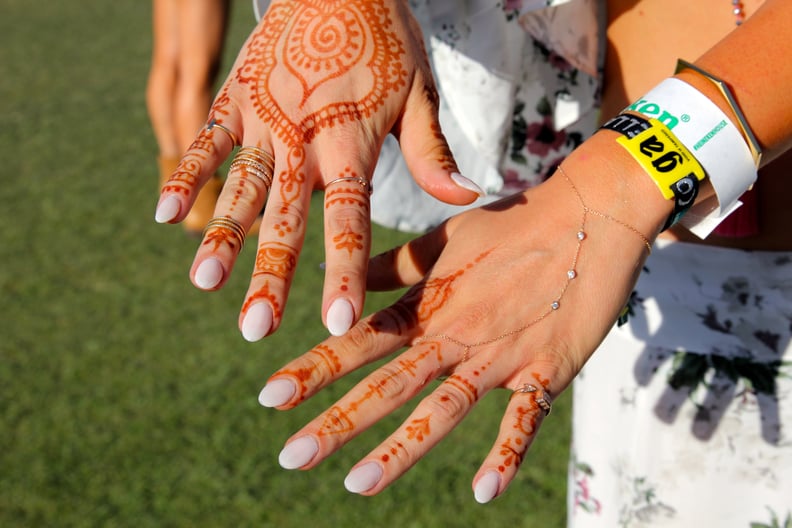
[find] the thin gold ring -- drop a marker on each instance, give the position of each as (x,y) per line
(255,168)
(214,124)
(360,181)
(228,224)
(257,155)
(542,399)
(256,161)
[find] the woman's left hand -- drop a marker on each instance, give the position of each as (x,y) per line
(505,296)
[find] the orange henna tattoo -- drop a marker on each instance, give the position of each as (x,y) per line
(219,236)
(310,43)
(292,179)
(513,449)
(351,195)
(339,420)
(348,194)
(417,305)
(184,178)
(419,429)
(336,422)
(264,293)
(393,451)
(511,455)
(323,360)
(348,239)
(465,387)
(445,157)
(275,259)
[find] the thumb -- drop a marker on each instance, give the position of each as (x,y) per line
(427,153)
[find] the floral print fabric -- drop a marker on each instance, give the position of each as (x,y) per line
(683,416)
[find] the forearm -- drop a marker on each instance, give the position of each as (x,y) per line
(758,74)
(754,62)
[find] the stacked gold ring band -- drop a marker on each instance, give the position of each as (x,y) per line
(214,124)
(542,398)
(351,179)
(257,161)
(228,224)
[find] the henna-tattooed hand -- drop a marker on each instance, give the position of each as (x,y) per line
(319,84)
(506,296)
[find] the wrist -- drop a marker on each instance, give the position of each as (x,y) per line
(613,182)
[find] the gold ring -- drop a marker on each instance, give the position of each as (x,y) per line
(258,162)
(214,124)
(360,181)
(255,168)
(228,224)
(542,399)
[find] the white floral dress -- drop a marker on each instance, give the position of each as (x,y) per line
(683,417)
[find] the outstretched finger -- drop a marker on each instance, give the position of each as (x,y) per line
(198,165)
(347,246)
(280,240)
(376,396)
(430,422)
(244,193)
(371,339)
(528,405)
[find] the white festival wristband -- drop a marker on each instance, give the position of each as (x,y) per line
(713,139)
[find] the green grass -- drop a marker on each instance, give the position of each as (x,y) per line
(127,397)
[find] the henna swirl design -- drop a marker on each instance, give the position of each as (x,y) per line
(307,44)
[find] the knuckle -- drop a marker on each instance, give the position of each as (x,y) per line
(449,402)
(359,337)
(391,382)
(285,219)
(350,218)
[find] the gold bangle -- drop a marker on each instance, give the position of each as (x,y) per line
(723,88)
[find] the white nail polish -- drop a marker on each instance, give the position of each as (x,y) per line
(466,183)
(257,322)
(298,453)
(339,317)
(487,487)
(167,210)
(209,274)
(276,393)
(363,478)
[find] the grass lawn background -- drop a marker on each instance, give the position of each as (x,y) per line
(128,397)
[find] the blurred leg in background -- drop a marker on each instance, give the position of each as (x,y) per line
(188,37)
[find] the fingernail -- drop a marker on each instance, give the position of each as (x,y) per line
(276,393)
(487,487)
(167,210)
(466,183)
(340,317)
(209,274)
(257,321)
(363,478)
(298,452)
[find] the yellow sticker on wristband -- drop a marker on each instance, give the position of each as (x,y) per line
(662,156)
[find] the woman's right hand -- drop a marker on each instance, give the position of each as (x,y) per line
(316,88)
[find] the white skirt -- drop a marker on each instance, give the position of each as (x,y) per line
(683,416)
